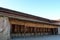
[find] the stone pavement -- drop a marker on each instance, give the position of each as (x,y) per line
(48,37)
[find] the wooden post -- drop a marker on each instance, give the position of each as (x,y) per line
(35,30)
(24,30)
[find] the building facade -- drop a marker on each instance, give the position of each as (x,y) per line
(14,24)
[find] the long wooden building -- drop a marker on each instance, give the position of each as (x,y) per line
(14,23)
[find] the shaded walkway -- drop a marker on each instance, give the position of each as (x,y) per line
(49,37)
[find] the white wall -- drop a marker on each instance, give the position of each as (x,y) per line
(58,30)
(4,28)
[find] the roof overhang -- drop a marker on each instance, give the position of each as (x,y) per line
(23,16)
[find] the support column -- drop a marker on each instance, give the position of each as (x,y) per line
(24,30)
(35,30)
(4,28)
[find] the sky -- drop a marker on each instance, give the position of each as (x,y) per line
(43,8)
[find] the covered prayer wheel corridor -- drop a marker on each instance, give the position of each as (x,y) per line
(31,29)
(19,24)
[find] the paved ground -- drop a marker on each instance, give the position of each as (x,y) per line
(49,37)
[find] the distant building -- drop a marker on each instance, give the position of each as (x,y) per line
(14,23)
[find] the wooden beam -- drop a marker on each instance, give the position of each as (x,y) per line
(31,24)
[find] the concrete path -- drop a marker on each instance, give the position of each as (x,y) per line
(49,37)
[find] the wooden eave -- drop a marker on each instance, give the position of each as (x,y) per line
(24,16)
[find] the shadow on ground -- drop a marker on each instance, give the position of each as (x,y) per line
(46,37)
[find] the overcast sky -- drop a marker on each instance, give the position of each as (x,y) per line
(44,8)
